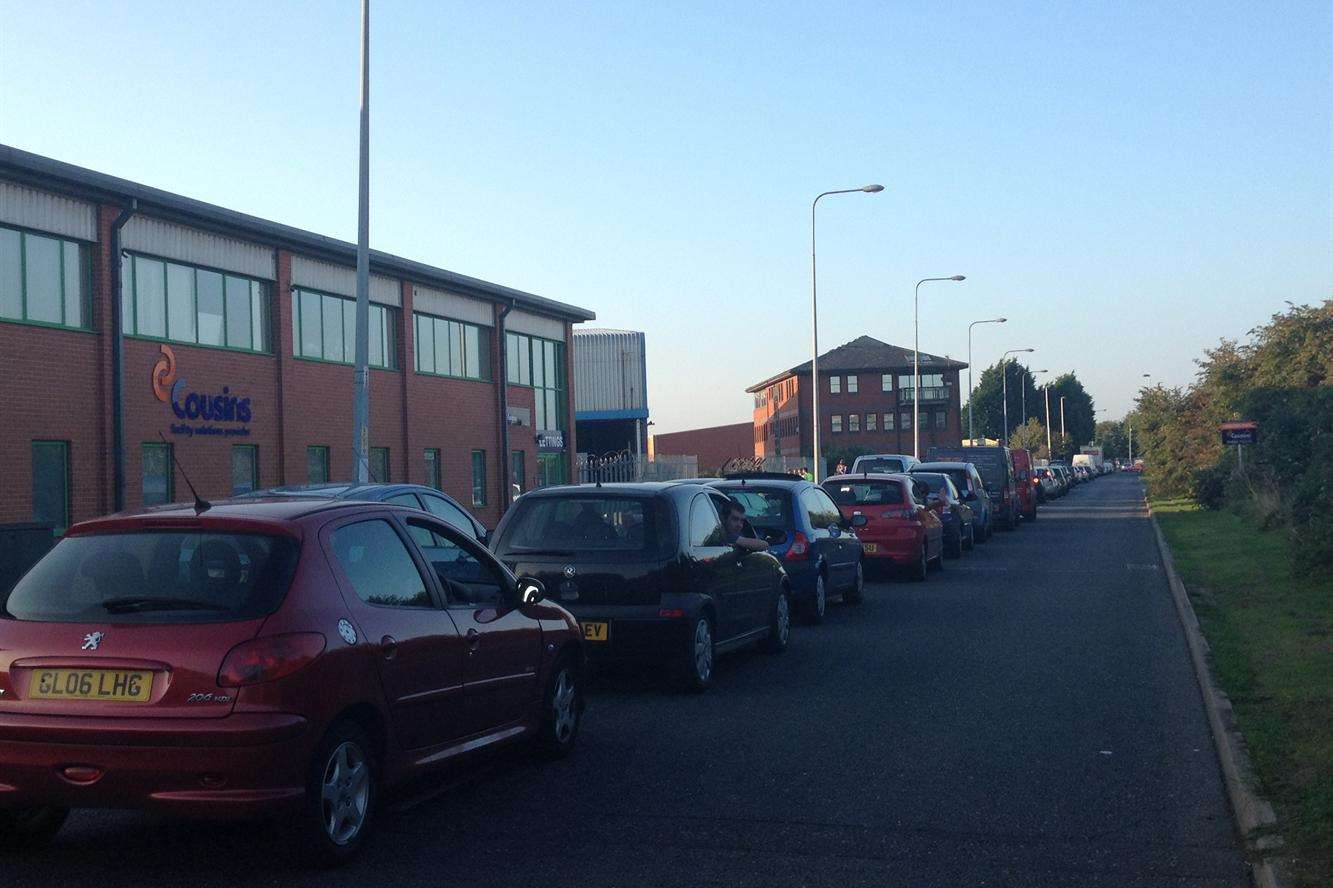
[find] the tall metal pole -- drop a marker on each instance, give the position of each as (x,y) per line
(1062,419)
(971,408)
(361,404)
(916,360)
(814,320)
(1004,374)
(1047,389)
(1131,442)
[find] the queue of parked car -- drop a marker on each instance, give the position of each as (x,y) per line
(301,652)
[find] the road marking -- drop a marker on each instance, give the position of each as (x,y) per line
(1132,566)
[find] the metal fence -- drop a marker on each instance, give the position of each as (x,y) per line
(623,466)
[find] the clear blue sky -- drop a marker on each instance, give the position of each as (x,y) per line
(1127,183)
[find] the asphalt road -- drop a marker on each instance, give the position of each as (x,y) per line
(1027,717)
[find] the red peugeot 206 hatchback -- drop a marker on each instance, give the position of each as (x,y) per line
(900,529)
(258,658)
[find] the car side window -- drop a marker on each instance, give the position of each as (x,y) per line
(829,508)
(705,526)
(467,580)
(812,503)
(438,505)
(919,493)
(405,499)
(378,565)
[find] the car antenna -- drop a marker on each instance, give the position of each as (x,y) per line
(201,505)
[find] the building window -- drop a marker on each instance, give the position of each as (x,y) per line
(432,455)
(157,475)
(551,469)
(317,464)
(183,303)
(43,280)
(854,422)
(853,384)
(451,348)
(539,363)
(871,419)
(244,468)
(379,465)
(888,422)
(517,476)
(478,478)
(50,484)
(886,382)
(835,385)
(324,329)
(941,418)
(837,423)
(932,386)
(906,422)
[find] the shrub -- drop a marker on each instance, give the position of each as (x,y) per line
(1210,486)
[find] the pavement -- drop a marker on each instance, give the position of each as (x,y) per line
(1026,717)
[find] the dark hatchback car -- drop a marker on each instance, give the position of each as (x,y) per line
(262,658)
(648,571)
(972,491)
(414,496)
(996,466)
(956,515)
(804,530)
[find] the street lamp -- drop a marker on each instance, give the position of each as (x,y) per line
(1004,375)
(1033,374)
(971,408)
(1062,419)
(1047,389)
(814,313)
(916,360)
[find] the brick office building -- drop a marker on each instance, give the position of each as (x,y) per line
(237,350)
(714,445)
(865,402)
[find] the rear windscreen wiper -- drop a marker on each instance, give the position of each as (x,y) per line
(148,603)
(515,552)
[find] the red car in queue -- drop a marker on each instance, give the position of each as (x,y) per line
(261,658)
(1028,484)
(900,530)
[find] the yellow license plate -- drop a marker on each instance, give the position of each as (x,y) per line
(596,631)
(121,686)
(872,548)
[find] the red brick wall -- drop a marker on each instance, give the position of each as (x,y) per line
(713,446)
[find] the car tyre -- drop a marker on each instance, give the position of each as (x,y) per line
(342,795)
(23,829)
(696,661)
(779,625)
(971,542)
(857,592)
(817,606)
(938,564)
(922,566)
(562,710)
(953,546)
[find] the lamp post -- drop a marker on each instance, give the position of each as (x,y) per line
(1033,374)
(814,314)
(1004,376)
(1047,389)
(971,408)
(1062,419)
(916,360)
(361,375)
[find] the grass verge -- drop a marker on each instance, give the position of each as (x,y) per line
(1271,635)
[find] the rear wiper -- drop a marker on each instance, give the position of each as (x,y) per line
(540,552)
(148,603)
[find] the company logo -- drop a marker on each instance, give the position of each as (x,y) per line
(570,571)
(224,407)
(93,640)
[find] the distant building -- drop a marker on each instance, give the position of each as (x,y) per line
(713,446)
(611,391)
(865,401)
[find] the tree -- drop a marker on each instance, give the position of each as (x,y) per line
(1079,422)
(1031,436)
(1112,438)
(988,398)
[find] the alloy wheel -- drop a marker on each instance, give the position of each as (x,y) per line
(345,793)
(564,707)
(703,651)
(821,597)
(784,618)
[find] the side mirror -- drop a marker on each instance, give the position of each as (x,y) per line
(531,590)
(859,520)
(835,529)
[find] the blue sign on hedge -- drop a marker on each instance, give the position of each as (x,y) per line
(1240,433)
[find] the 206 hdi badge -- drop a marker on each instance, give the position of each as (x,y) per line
(93,640)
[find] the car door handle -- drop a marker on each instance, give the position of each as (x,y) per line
(473,640)
(388,647)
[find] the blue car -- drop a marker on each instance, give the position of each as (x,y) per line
(805,531)
(971,490)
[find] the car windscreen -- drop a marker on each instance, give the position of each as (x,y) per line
(865,493)
(606,525)
(156,577)
(882,464)
(933,480)
(990,465)
(765,509)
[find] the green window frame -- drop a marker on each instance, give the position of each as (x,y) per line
(518,472)
(244,468)
(379,465)
(446,347)
(49,456)
(45,280)
(478,478)
(434,468)
(324,329)
(540,364)
(168,301)
(317,464)
(158,479)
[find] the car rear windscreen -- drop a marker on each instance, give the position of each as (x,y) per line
(582,524)
(156,577)
(989,461)
(765,509)
(933,480)
(865,493)
(885,464)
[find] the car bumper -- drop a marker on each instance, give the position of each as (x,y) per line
(242,766)
(636,632)
(899,546)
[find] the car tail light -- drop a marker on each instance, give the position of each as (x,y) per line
(268,659)
(671,612)
(799,549)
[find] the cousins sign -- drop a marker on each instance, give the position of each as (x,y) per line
(199,410)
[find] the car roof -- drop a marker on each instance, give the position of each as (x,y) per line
(274,512)
(941,466)
(640,487)
(764,480)
(869,476)
(885,456)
